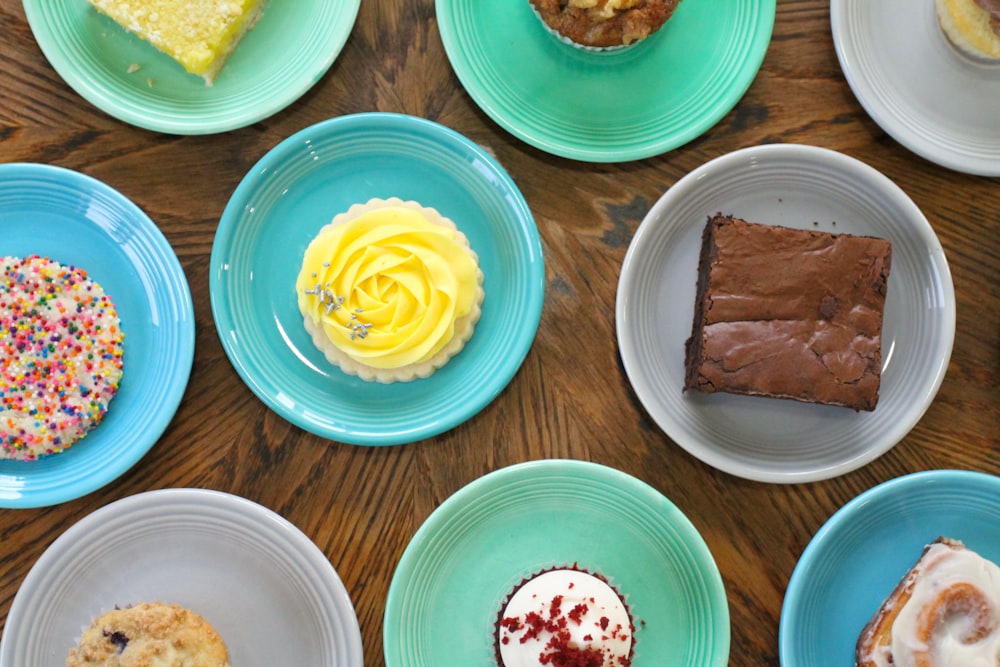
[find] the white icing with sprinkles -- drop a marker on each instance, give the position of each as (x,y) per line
(60,356)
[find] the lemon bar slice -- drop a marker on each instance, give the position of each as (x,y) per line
(199,34)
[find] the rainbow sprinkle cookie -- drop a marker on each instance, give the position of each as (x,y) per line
(60,356)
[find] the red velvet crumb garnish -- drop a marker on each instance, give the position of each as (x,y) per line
(557,651)
(577,613)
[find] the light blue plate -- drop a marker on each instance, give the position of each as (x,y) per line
(294,191)
(74,219)
(859,555)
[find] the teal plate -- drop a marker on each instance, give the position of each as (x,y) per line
(295,190)
(287,52)
(610,106)
(853,562)
(75,219)
(482,541)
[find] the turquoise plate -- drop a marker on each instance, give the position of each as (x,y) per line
(287,52)
(481,542)
(611,106)
(74,219)
(859,555)
(294,191)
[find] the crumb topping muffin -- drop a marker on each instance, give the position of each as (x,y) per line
(390,290)
(150,634)
(605,23)
(60,356)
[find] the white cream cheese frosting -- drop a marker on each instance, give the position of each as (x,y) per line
(952,618)
(564,615)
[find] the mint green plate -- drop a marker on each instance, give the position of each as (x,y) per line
(611,106)
(288,51)
(481,542)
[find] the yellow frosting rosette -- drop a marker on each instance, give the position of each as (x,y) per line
(390,290)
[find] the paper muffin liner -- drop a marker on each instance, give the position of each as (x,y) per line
(582,47)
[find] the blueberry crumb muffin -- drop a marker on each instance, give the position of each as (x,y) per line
(149,634)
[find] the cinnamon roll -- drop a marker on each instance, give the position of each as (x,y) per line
(945,612)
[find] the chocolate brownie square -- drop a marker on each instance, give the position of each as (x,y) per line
(788,313)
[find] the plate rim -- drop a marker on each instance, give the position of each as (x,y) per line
(532,470)
(853,508)
(884,117)
(217,501)
(79,183)
(94,91)
(226,231)
(754,58)
(690,442)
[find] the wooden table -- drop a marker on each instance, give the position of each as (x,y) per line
(570,397)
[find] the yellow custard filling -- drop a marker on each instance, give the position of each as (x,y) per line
(968,24)
(388,285)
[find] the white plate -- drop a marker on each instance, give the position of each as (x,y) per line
(933,100)
(267,589)
(778,440)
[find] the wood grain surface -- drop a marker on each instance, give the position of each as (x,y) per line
(571,398)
